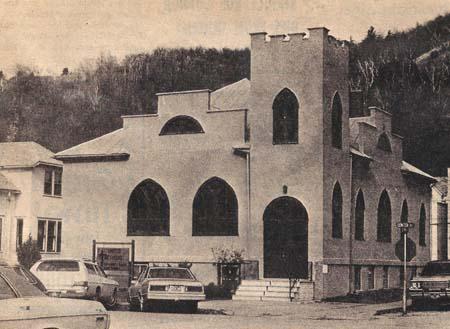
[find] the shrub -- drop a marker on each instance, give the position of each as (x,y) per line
(28,253)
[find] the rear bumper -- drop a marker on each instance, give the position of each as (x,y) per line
(176,297)
(81,292)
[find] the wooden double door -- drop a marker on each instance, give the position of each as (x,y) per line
(285,239)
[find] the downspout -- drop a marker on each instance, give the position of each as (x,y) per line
(350,240)
(249,211)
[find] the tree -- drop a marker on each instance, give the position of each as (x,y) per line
(28,253)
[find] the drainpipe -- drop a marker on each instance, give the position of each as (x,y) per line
(350,240)
(249,211)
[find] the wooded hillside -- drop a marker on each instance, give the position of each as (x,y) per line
(407,73)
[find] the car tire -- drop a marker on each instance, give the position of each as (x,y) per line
(97,296)
(111,303)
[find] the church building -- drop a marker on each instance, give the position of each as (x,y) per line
(272,166)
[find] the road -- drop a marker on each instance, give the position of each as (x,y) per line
(262,315)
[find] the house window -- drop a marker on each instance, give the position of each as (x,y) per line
(285,118)
(148,210)
(384,143)
(384,218)
(422,226)
(181,124)
(359,216)
(385,277)
(357,281)
(19,232)
(336,122)
(53,181)
(49,235)
(337,212)
(371,277)
(215,209)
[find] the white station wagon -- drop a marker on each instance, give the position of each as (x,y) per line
(74,278)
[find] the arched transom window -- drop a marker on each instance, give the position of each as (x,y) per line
(337,212)
(181,124)
(215,209)
(285,118)
(384,218)
(336,122)
(148,210)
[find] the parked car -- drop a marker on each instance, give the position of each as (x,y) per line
(433,284)
(24,304)
(158,284)
(74,278)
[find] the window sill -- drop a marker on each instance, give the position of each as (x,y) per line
(52,196)
(49,252)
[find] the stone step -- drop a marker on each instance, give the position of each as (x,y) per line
(278,294)
(252,288)
(246,298)
(275,299)
(280,289)
(249,293)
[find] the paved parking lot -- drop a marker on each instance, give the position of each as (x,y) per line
(240,314)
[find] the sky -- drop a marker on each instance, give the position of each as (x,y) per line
(48,35)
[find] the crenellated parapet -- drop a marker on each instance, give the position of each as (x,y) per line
(315,35)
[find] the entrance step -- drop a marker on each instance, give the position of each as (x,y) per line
(274,290)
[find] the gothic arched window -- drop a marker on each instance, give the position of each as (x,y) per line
(337,212)
(148,210)
(336,122)
(285,118)
(384,218)
(215,209)
(359,216)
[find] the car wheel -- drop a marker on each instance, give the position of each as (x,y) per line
(112,301)
(97,295)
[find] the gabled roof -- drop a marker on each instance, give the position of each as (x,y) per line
(25,155)
(5,184)
(231,97)
(106,147)
(408,168)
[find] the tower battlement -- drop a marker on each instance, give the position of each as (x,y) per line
(316,34)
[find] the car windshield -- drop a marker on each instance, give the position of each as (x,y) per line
(27,275)
(59,266)
(13,285)
(169,273)
(436,269)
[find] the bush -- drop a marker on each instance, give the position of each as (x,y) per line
(28,253)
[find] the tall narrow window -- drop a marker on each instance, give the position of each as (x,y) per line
(359,216)
(19,232)
(371,277)
(215,209)
(422,226)
(48,181)
(148,210)
(442,231)
(384,143)
(357,277)
(404,215)
(180,125)
(337,212)
(384,218)
(336,122)
(385,277)
(57,187)
(285,118)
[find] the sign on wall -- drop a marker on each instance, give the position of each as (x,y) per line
(114,259)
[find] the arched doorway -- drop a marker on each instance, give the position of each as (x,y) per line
(285,239)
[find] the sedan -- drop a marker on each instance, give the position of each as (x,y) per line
(24,304)
(159,284)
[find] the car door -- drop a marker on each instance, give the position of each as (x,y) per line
(93,279)
(107,284)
